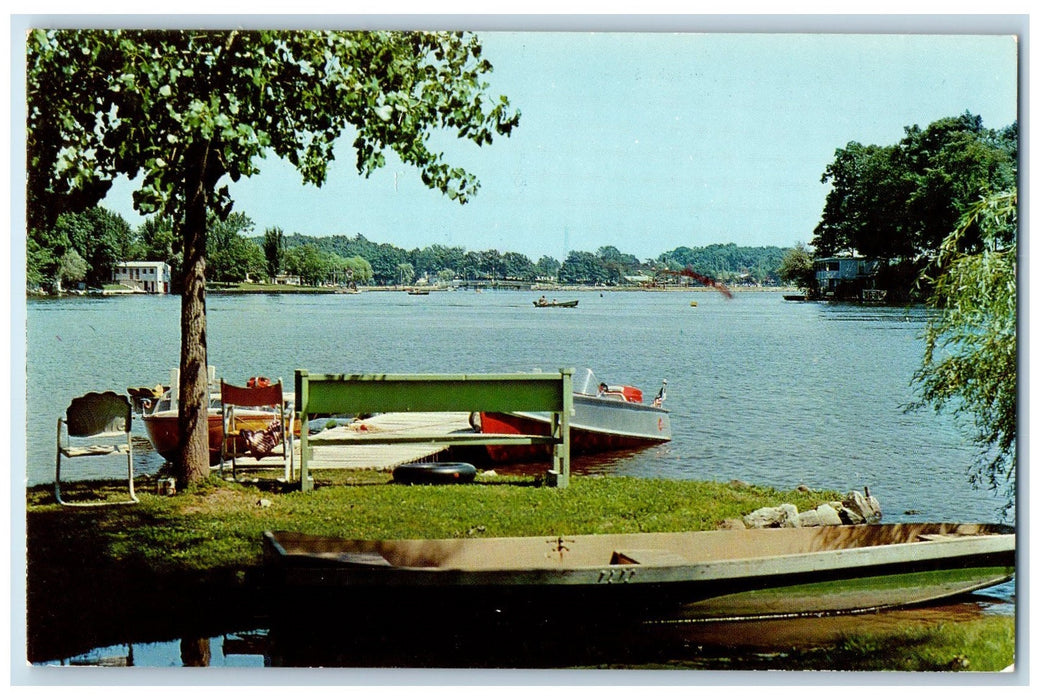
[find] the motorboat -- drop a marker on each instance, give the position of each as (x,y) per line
(606,417)
(164,431)
(159,414)
(543,303)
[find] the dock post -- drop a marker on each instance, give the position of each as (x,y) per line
(306,484)
(560,476)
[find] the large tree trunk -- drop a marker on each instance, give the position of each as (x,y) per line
(193,451)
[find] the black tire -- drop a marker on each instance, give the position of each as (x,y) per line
(435,473)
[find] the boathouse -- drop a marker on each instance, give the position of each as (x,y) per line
(848,277)
(151,277)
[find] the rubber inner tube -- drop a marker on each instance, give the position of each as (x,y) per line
(435,473)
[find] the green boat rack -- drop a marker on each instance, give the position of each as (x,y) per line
(331,394)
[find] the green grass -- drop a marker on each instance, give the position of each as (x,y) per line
(986,644)
(219,524)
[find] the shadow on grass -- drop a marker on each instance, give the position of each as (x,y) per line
(80,596)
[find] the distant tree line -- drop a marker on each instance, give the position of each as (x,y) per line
(83,248)
(896,203)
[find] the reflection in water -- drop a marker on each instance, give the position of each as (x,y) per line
(330,641)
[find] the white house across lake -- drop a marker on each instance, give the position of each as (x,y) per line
(151,277)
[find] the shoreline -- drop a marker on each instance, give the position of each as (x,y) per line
(286,289)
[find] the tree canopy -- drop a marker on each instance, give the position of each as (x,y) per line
(901,201)
(186,110)
(797,267)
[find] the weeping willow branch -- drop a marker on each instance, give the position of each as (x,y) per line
(970,364)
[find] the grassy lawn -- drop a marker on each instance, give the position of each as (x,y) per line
(219,524)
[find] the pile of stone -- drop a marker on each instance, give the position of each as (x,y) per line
(855,509)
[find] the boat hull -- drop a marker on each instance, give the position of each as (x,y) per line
(598,425)
(717,575)
(164,432)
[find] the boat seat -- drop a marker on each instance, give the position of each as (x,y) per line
(648,557)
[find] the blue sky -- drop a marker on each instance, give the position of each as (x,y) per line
(650,141)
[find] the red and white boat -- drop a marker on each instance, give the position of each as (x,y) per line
(606,417)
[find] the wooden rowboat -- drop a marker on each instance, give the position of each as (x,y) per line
(711,575)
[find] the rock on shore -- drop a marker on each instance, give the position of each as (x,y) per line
(856,508)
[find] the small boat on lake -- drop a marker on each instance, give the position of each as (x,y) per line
(710,575)
(545,303)
(606,417)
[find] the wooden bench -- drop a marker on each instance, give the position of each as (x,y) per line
(331,394)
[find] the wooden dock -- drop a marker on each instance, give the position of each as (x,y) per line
(375,456)
(382,456)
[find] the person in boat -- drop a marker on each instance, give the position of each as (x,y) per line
(542,301)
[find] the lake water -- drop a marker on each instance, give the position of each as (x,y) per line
(762,390)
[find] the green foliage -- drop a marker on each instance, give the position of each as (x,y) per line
(103,103)
(355,270)
(72,267)
(728,262)
(547,267)
(405,273)
(517,266)
(607,266)
(38,260)
(230,255)
(274,251)
(971,349)
(79,247)
(158,242)
(901,201)
(797,268)
(307,262)
(581,267)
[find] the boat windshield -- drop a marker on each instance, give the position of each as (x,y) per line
(585,382)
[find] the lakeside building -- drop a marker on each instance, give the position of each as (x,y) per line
(151,277)
(847,277)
